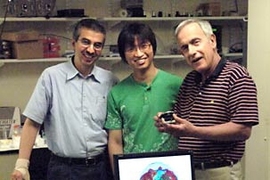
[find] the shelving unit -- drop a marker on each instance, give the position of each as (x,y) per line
(178,19)
(163,26)
(62,59)
(38,19)
(115,20)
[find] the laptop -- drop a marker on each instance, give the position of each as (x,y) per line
(173,165)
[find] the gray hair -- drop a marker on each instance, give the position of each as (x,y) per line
(205,25)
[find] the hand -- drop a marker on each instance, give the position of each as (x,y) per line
(181,127)
(229,131)
(21,170)
(16,175)
(158,122)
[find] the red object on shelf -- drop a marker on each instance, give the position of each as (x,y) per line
(51,47)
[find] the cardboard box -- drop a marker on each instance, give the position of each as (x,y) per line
(25,35)
(27,49)
(209,9)
(26,44)
(214,9)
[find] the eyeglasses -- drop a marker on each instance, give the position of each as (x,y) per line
(86,43)
(142,47)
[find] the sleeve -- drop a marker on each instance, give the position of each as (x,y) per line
(243,104)
(39,102)
(113,119)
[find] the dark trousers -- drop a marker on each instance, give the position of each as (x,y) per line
(59,170)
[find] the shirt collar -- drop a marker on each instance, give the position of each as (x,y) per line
(73,72)
(215,73)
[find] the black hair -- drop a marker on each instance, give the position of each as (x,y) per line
(131,31)
(89,24)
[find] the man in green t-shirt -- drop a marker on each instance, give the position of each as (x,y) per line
(134,102)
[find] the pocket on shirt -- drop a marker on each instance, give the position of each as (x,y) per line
(100,110)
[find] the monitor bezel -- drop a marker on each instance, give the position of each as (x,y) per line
(117,157)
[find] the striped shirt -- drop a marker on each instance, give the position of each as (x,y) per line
(229,94)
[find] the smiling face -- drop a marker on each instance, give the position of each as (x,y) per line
(198,49)
(87,49)
(139,56)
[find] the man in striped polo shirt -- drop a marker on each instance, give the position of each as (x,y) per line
(216,106)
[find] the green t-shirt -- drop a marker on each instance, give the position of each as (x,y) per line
(132,106)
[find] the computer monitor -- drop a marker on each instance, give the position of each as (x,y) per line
(173,165)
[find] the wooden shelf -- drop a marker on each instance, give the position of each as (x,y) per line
(39,19)
(218,18)
(62,59)
(108,19)
(33,60)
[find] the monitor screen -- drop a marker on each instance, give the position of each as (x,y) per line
(173,165)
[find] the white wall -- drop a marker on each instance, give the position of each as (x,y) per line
(257,152)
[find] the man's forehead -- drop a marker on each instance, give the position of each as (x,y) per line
(189,32)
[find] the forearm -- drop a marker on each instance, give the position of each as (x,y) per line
(229,131)
(114,148)
(28,137)
(115,145)
(224,132)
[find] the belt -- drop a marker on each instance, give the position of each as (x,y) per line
(78,161)
(210,165)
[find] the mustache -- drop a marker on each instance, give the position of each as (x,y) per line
(88,54)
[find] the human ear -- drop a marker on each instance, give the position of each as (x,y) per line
(73,41)
(213,41)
